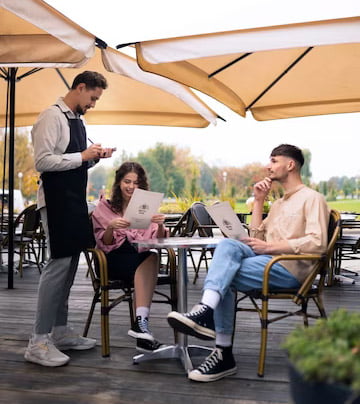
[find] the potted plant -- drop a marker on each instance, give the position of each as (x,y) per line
(324,360)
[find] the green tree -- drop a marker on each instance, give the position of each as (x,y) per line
(305,170)
(154,172)
(206,178)
(162,171)
(349,186)
(323,187)
(98,180)
(24,163)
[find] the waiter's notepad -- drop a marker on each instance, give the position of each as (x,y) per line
(224,216)
(142,206)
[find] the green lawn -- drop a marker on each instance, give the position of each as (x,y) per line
(346,205)
(343,205)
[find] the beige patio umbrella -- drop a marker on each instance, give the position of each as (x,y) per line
(34,36)
(36,41)
(133,97)
(275,72)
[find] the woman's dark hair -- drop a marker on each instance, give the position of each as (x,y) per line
(116,200)
(90,79)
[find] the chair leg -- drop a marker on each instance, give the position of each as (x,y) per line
(90,315)
(304,307)
(21,258)
(197,268)
(320,305)
(131,311)
(105,337)
(263,338)
(105,333)
(262,354)
(37,257)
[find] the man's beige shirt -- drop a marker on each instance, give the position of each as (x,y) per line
(301,218)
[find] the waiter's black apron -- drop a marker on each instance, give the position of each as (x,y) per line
(65,197)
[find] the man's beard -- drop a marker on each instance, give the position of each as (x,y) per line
(80,111)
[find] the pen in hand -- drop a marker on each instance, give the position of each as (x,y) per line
(113,149)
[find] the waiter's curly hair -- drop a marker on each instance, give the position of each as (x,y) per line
(116,200)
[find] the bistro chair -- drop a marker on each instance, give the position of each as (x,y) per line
(203,226)
(27,225)
(110,293)
(195,222)
(347,247)
(185,228)
(310,290)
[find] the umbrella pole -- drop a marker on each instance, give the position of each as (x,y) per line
(11,180)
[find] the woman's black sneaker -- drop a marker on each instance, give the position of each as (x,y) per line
(140,329)
(199,322)
(146,346)
(218,364)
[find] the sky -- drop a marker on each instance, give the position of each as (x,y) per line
(333,140)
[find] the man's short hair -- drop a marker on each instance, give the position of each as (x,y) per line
(291,151)
(90,79)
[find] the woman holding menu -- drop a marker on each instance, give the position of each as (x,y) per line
(114,236)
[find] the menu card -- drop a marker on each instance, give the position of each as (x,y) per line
(224,216)
(142,206)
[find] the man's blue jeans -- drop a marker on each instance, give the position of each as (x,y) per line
(234,267)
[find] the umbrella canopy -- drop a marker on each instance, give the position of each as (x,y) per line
(129,100)
(34,36)
(275,72)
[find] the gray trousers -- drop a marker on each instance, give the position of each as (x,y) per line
(56,280)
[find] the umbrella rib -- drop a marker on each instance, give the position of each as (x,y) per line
(296,61)
(229,64)
(32,71)
(4,74)
(123,45)
(63,78)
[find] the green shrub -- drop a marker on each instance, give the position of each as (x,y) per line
(328,351)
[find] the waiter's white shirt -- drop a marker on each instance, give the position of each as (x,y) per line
(50,138)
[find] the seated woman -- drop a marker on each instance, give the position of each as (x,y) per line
(125,262)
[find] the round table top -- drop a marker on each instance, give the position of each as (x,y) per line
(179,242)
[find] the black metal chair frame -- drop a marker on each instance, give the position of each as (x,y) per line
(347,247)
(29,222)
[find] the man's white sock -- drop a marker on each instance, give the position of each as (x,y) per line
(211,298)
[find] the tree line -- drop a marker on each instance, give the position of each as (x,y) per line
(173,171)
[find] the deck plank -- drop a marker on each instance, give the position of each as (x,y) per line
(89,378)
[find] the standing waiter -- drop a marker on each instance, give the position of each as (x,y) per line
(63,158)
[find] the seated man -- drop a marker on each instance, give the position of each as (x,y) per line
(297,223)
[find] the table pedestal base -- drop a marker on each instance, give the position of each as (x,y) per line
(175,352)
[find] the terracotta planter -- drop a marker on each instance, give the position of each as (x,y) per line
(307,392)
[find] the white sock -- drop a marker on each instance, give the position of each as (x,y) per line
(59,330)
(36,338)
(143,312)
(211,298)
(223,339)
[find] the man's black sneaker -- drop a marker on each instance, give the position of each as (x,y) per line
(218,364)
(146,346)
(140,329)
(199,322)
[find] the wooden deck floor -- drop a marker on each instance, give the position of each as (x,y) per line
(91,379)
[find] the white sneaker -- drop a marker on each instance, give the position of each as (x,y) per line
(71,340)
(45,353)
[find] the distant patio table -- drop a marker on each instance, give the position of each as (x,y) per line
(180,349)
